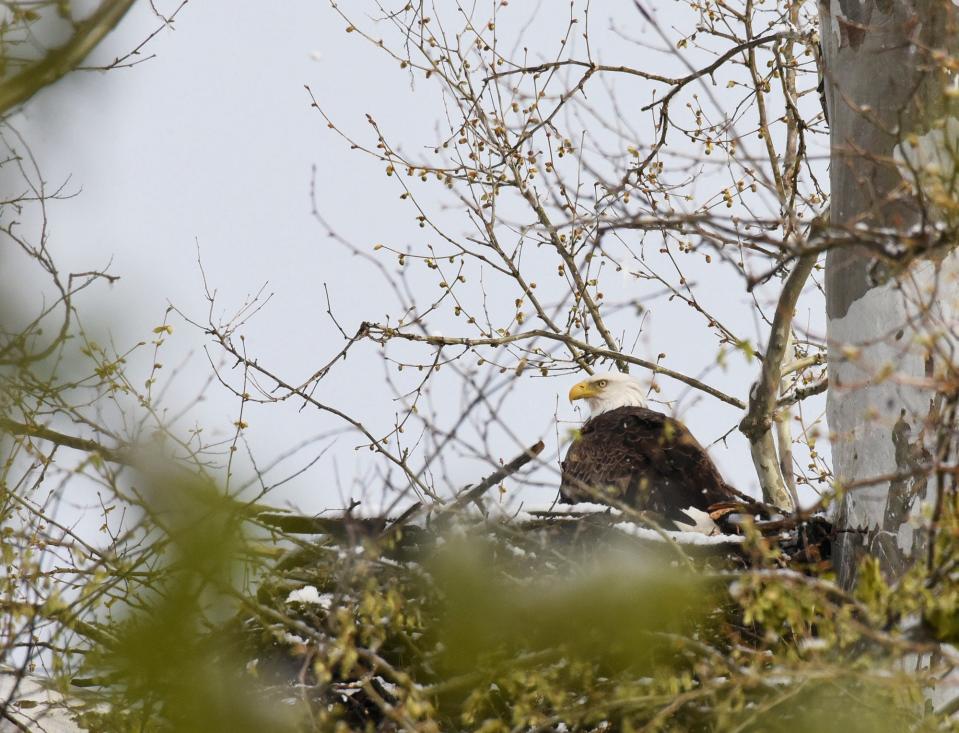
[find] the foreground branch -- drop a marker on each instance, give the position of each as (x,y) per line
(60,61)
(86,445)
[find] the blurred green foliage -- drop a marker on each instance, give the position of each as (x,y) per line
(169,665)
(469,634)
(489,613)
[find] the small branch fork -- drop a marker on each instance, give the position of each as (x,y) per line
(758,422)
(470,493)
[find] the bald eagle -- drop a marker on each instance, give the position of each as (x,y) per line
(638,457)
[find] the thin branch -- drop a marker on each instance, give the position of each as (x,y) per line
(386,332)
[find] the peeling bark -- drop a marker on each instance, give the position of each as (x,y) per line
(888,323)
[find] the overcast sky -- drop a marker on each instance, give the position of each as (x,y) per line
(210,147)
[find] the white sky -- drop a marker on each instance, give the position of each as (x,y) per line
(211,145)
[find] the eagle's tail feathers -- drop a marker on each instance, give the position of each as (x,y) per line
(700,522)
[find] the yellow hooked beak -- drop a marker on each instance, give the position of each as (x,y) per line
(583,390)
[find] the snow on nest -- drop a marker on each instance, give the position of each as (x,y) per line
(309,594)
(682,538)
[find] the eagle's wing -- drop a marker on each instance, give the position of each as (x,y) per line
(643,458)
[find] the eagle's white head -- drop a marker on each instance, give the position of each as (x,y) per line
(608,391)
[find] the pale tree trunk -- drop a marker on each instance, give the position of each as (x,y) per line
(891,319)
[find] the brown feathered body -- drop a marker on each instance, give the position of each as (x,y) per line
(644,459)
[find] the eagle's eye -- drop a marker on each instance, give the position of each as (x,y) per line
(601,383)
